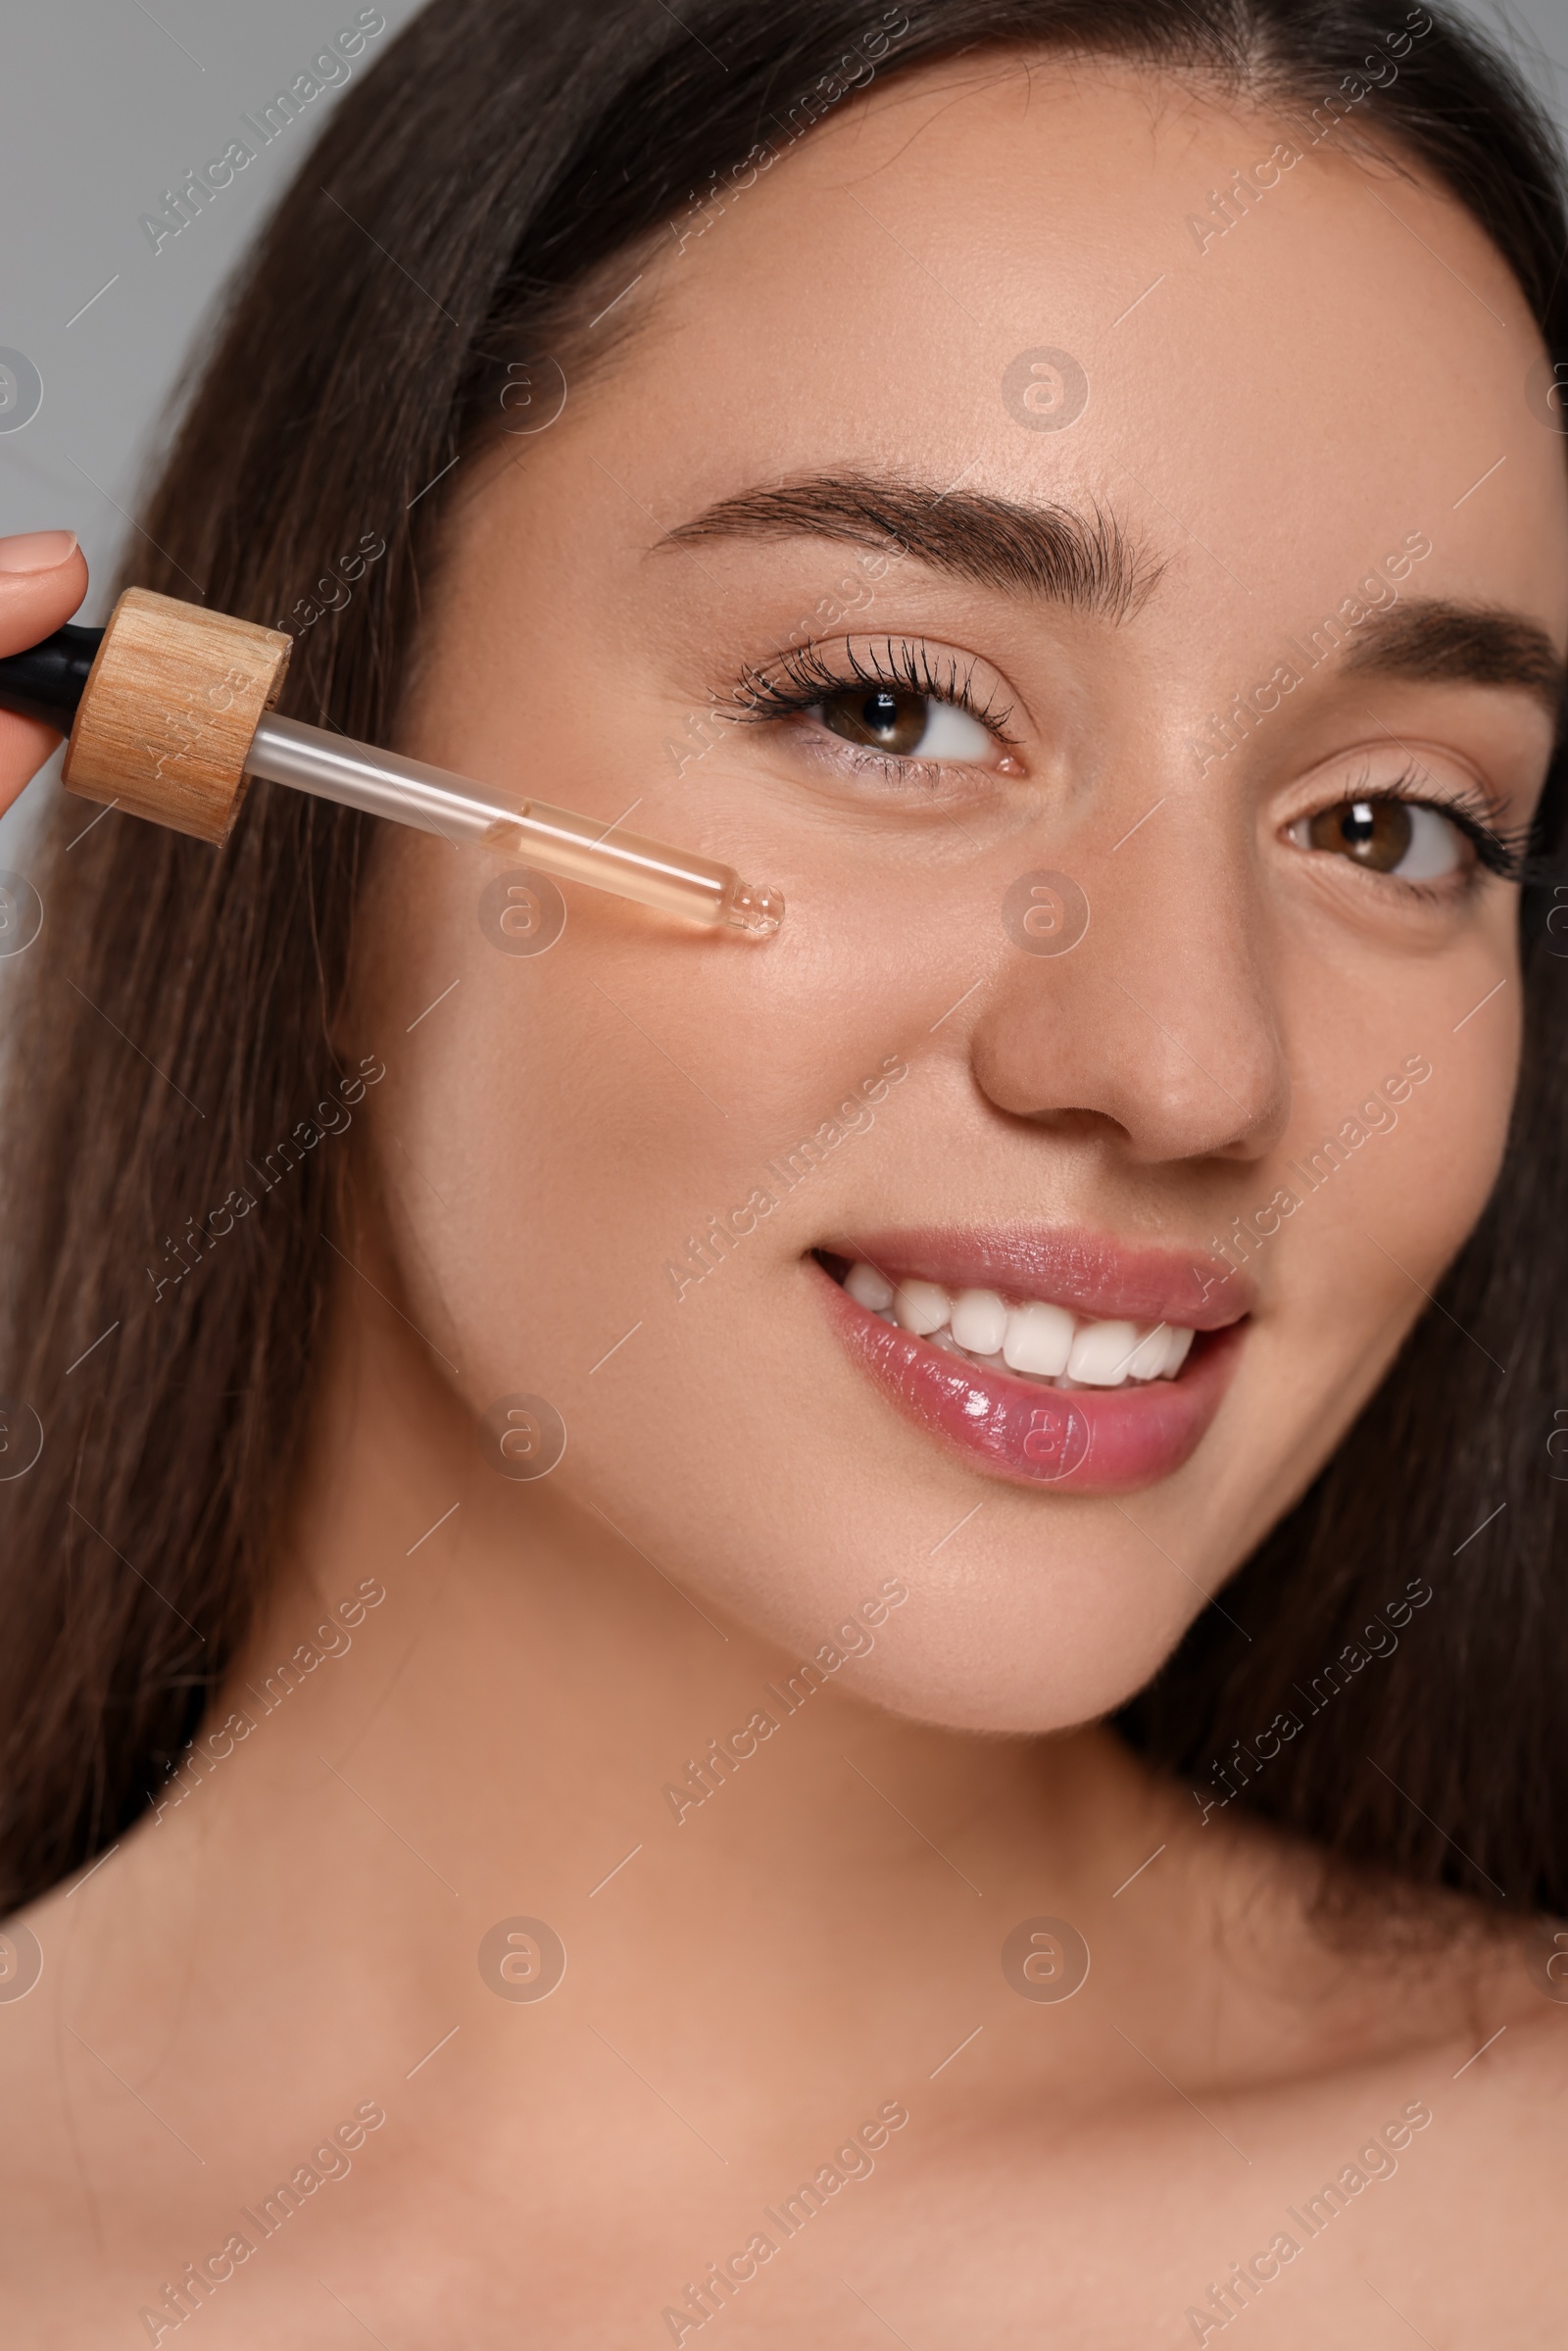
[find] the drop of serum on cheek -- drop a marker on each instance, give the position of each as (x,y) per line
(752,909)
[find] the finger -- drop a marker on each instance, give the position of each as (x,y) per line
(44,579)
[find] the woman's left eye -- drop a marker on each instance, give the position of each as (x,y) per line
(911,727)
(1407,838)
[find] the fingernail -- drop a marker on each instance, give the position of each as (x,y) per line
(37,550)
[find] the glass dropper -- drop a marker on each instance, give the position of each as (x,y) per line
(168,714)
(580,848)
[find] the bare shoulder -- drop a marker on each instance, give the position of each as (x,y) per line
(38,2049)
(1500,2131)
(1411,2183)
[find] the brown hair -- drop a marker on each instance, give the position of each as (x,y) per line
(175,1024)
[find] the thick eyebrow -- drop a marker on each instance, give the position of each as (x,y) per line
(1481,645)
(1086,560)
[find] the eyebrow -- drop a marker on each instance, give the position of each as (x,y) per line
(1481,645)
(1085,559)
(1090,563)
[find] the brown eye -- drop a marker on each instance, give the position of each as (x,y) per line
(905,725)
(1375,833)
(880,718)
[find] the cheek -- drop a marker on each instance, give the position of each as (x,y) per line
(561,1128)
(1429,1179)
(1372,1237)
(553,1133)
(1349,1273)
(635,1077)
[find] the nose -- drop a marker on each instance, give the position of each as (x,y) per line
(1160,1020)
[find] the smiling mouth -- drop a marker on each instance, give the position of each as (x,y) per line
(1033,1338)
(955,1331)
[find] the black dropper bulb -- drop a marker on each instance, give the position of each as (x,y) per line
(47,681)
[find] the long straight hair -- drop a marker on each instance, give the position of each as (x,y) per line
(173,1027)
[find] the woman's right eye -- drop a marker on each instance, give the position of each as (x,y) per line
(905,710)
(908,726)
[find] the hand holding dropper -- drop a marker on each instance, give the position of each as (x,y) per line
(170,712)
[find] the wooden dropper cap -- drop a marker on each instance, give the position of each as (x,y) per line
(171,706)
(168,706)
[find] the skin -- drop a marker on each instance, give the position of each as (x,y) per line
(821,1936)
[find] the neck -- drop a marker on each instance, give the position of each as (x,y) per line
(539,1717)
(468,1701)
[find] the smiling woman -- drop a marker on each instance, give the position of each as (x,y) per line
(1106,1245)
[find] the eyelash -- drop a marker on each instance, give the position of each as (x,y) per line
(1503,852)
(803,679)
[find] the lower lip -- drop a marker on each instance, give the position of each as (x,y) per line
(1084,1440)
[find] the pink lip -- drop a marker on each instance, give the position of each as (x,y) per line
(1066,1265)
(1082,1441)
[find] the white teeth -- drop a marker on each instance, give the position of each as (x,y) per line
(979,1321)
(1102,1353)
(921,1307)
(1153,1352)
(1041,1341)
(868,1288)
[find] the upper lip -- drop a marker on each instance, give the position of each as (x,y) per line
(1092,1273)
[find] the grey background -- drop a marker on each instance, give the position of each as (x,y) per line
(104,104)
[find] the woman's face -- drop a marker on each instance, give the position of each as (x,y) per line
(1085,610)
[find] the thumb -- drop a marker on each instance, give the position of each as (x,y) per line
(44,579)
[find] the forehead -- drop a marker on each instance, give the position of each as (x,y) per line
(1280,352)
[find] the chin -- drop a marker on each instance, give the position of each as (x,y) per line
(1021,1634)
